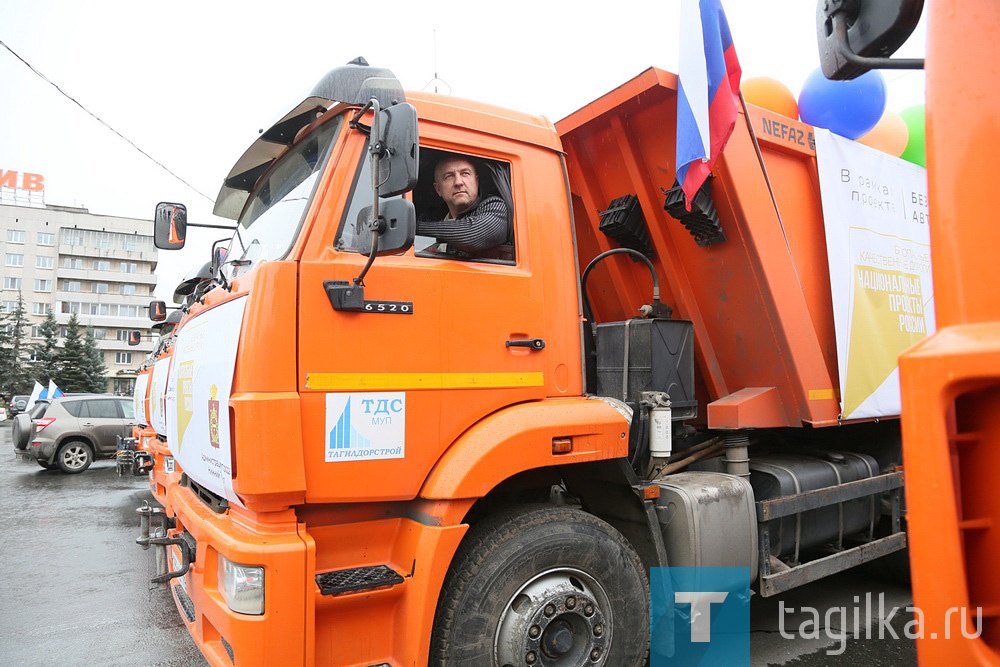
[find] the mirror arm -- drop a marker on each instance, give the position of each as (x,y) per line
(839,22)
(204,226)
(360,280)
(356,123)
(377,151)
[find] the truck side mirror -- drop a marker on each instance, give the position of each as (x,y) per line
(134,337)
(397,129)
(157,310)
(396,225)
(170,226)
(219,253)
(859,35)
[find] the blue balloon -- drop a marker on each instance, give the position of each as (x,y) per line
(848,108)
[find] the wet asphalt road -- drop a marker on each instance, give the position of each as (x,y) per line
(74,588)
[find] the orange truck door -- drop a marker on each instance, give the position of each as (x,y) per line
(430,350)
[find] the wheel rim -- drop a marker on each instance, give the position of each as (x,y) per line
(559,618)
(75,456)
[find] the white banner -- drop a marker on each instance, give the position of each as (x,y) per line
(158,396)
(139,397)
(878,246)
(198,390)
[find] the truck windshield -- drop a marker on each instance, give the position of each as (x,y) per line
(274,212)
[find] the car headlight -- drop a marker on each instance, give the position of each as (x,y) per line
(242,586)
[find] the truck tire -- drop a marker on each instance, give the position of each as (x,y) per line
(74,456)
(543,585)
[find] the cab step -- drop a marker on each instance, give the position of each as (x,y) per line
(354,579)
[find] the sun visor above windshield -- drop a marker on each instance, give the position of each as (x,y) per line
(357,83)
(265,150)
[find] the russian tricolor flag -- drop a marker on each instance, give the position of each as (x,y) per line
(708,94)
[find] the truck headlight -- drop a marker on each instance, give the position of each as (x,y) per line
(242,586)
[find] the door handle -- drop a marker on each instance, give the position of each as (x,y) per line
(532,343)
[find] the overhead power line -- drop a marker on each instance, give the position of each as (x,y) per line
(102,122)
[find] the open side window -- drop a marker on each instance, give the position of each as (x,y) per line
(494,180)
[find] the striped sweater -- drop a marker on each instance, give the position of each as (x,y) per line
(480,228)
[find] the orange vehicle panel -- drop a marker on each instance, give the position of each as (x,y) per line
(760,300)
(951,381)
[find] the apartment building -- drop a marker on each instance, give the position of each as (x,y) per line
(99,267)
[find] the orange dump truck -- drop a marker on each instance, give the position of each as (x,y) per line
(396,453)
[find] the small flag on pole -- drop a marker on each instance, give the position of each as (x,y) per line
(36,394)
(54,391)
(708,95)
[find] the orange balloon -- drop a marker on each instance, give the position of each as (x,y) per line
(889,135)
(770,94)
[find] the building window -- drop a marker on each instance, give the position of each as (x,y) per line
(36,331)
(123,358)
(123,334)
(72,263)
(14,260)
(129,267)
(72,236)
(9,306)
(15,236)
(38,308)
(34,356)
(128,290)
(100,288)
(69,308)
(43,285)
(9,282)
(102,265)
(128,311)
(104,241)
(45,238)
(71,286)
(99,334)
(43,262)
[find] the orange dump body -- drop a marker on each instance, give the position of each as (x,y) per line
(759,300)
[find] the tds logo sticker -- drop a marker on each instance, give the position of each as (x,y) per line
(365,426)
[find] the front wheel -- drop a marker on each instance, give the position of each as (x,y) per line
(543,586)
(74,457)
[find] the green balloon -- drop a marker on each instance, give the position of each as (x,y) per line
(914,119)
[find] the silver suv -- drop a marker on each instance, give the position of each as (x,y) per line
(71,431)
(18,404)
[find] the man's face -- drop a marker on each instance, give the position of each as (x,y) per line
(456,183)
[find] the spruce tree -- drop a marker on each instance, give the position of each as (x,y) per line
(46,353)
(96,370)
(14,351)
(74,360)
(7,365)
